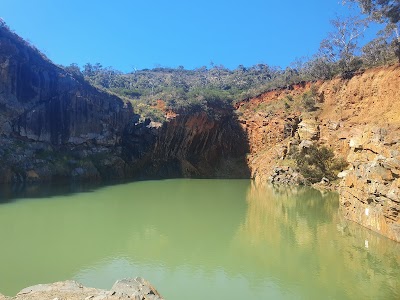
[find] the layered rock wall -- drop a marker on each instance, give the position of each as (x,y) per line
(370,190)
(359,118)
(195,145)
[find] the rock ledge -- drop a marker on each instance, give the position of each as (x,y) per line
(129,288)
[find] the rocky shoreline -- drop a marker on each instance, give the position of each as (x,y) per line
(131,288)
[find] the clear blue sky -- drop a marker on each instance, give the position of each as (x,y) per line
(143,34)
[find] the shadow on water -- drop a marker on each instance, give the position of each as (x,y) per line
(13,192)
(189,146)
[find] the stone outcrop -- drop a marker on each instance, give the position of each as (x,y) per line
(370,190)
(359,119)
(42,102)
(308,130)
(286,175)
(132,288)
(195,145)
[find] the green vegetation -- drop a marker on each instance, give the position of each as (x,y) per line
(315,163)
(385,12)
(309,99)
(205,89)
(217,87)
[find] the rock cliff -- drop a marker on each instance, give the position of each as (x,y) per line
(370,191)
(195,145)
(359,118)
(51,122)
(41,102)
(56,126)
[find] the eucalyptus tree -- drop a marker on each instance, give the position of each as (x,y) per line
(341,45)
(386,12)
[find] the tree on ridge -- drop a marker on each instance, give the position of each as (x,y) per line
(384,12)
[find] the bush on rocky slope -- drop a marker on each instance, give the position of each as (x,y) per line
(315,163)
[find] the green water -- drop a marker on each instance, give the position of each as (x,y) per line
(197,239)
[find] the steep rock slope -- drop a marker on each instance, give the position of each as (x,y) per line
(54,125)
(360,119)
(195,145)
(44,103)
(367,109)
(51,123)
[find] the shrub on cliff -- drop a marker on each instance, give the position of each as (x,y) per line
(314,163)
(309,99)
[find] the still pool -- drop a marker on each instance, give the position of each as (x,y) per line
(196,239)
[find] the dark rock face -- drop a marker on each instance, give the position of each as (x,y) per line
(195,145)
(41,102)
(56,126)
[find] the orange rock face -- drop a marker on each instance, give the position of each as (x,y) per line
(359,119)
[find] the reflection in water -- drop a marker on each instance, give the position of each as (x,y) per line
(296,235)
(196,238)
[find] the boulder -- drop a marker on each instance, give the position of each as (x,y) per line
(308,130)
(130,288)
(286,175)
(135,287)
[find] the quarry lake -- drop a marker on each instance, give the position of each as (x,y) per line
(195,239)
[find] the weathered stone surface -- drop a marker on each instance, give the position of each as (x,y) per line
(195,145)
(133,288)
(286,175)
(305,144)
(308,130)
(343,174)
(42,102)
(369,194)
(69,285)
(359,119)
(56,126)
